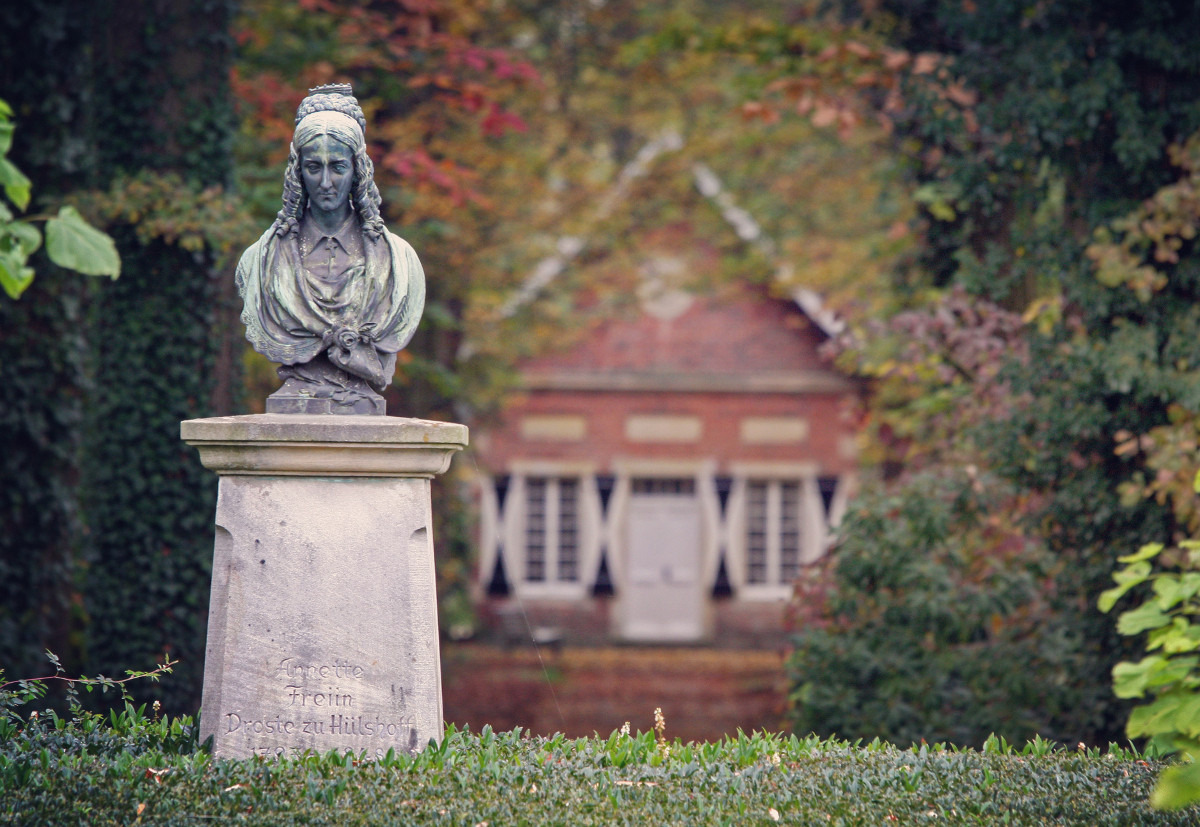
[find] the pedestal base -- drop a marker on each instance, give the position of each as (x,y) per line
(323,626)
(300,404)
(318,386)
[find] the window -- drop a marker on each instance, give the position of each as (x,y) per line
(756,533)
(773,532)
(789,531)
(568,530)
(535,530)
(551,530)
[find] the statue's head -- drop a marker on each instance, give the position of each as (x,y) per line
(330,117)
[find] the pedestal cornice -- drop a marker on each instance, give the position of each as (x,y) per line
(323,445)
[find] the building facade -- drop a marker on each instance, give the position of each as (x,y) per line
(667,479)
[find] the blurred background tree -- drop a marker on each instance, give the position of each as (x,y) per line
(1031,131)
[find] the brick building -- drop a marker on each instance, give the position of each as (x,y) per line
(666,479)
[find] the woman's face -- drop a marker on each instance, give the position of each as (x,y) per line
(327,168)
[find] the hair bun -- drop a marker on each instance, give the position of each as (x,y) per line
(332,97)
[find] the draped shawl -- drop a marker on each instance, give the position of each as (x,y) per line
(285,320)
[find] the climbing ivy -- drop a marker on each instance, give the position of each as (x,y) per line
(40,370)
(147,500)
(41,348)
(152,360)
(114,528)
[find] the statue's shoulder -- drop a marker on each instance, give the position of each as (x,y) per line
(398,244)
(403,254)
(254,252)
(249,265)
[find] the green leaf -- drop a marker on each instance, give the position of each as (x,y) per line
(1126,579)
(16,185)
(1180,636)
(26,235)
(1175,670)
(1178,786)
(1164,716)
(1169,590)
(73,243)
(1130,679)
(1136,621)
(6,132)
(1146,552)
(15,277)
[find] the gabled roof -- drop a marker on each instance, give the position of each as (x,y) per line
(748,230)
(709,185)
(736,338)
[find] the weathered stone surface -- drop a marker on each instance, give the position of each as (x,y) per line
(323,618)
(283,403)
(343,446)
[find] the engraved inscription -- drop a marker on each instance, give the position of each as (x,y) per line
(299,694)
(358,725)
(294,668)
(306,688)
(298,697)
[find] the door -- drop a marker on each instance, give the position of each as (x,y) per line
(664,600)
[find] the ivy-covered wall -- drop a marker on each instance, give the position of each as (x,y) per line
(41,350)
(147,501)
(110,514)
(40,361)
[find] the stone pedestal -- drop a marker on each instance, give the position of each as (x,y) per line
(322,630)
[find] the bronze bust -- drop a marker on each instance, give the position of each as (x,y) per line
(328,292)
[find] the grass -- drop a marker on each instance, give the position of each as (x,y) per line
(126,768)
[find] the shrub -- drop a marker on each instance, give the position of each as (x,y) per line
(1170,670)
(934,619)
(133,772)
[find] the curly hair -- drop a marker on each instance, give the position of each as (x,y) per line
(339,117)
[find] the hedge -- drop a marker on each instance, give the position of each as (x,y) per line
(128,768)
